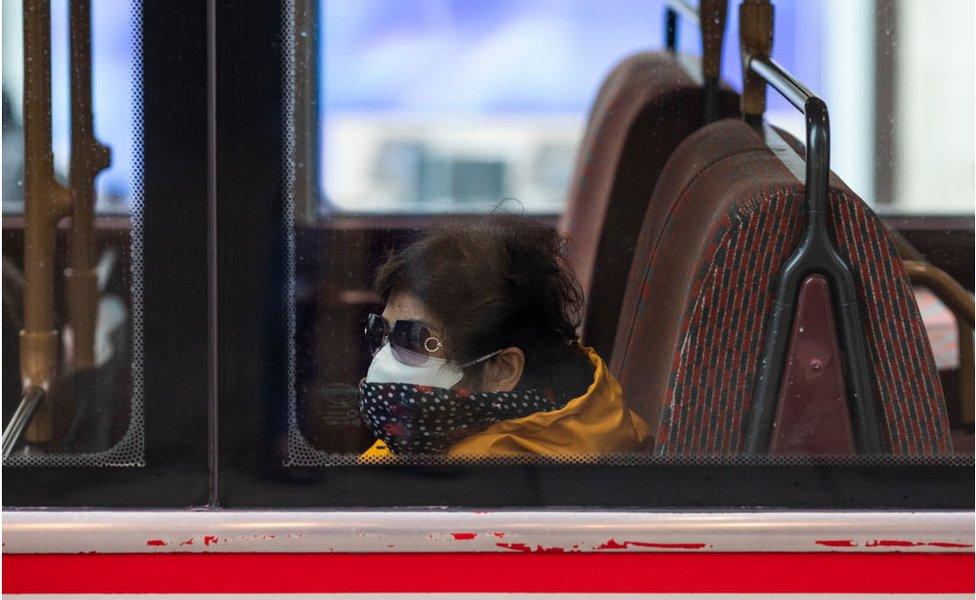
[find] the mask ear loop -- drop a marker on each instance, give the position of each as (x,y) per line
(478,360)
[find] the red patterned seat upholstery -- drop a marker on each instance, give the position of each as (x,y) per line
(646,107)
(727,212)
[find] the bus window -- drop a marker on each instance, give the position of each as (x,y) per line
(72,382)
(114,91)
(418,124)
(104,254)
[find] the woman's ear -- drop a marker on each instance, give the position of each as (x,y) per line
(504,370)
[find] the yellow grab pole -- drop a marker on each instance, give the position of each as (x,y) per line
(755,39)
(88,158)
(45,203)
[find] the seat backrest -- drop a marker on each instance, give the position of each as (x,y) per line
(692,325)
(647,105)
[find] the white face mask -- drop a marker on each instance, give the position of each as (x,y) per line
(436,372)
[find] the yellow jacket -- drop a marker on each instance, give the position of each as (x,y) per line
(598,422)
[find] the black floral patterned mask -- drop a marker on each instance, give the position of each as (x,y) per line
(420,419)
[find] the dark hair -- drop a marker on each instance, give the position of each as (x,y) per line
(501,282)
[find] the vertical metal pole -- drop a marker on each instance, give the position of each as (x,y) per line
(755,39)
(45,203)
(711,19)
(88,158)
(671,29)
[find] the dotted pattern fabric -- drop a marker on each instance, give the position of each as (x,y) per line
(424,419)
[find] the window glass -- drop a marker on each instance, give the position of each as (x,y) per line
(417,131)
(900,129)
(434,107)
(115,90)
(72,259)
(405,130)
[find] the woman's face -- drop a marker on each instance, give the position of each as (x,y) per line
(501,373)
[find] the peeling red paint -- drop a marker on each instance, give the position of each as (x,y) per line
(210,539)
(498,534)
(892,543)
(910,544)
(837,543)
(613,544)
(464,535)
(155,543)
(949,545)
(188,542)
(518,547)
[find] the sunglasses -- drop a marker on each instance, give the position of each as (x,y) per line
(410,341)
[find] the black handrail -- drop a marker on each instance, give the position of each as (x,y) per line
(671,29)
(814,255)
(29,402)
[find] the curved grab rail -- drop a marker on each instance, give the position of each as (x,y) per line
(960,302)
(814,255)
(948,290)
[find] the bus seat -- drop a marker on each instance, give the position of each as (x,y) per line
(647,105)
(692,323)
(941,327)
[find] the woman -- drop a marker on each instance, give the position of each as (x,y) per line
(476,352)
